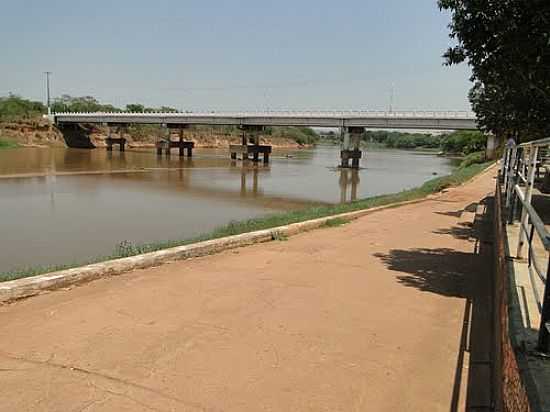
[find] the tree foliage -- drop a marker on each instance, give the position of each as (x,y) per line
(507,45)
(15,107)
(459,142)
(67,103)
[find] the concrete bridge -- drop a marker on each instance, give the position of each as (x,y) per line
(352,124)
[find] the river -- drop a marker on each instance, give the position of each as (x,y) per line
(61,206)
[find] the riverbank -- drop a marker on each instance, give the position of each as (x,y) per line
(312,323)
(40,133)
(126,249)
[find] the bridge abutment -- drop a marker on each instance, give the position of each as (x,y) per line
(76,136)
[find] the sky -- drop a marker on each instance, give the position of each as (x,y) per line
(234,55)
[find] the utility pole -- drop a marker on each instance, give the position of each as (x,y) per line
(391,97)
(48,74)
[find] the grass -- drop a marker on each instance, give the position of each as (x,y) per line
(337,221)
(473,158)
(126,248)
(7,144)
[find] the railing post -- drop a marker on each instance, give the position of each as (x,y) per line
(512,176)
(531,168)
(506,166)
(545,316)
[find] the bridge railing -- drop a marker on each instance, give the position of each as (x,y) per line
(291,113)
(519,170)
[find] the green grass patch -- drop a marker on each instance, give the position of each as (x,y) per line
(337,221)
(7,144)
(126,248)
(473,158)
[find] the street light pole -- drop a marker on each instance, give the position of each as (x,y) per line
(48,90)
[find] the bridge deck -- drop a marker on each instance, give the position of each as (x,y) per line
(397,120)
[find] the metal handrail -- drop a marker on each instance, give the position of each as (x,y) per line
(536,143)
(520,164)
(534,219)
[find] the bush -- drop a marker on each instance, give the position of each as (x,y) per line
(14,107)
(301,135)
(464,142)
(473,158)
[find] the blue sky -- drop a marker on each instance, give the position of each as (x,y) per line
(225,55)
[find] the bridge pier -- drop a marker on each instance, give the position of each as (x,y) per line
(181,144)
(250,145)
(120,140)
(351,141)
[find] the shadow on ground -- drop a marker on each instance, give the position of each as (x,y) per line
(467,275)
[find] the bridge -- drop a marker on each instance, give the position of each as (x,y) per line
(352,124)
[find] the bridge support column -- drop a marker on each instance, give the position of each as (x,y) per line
(250,145)
(120,140)
(181,144)
(351,141)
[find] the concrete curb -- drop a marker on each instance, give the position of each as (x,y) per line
(26,287)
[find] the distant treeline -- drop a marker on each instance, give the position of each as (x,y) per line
(459,142)
(14,108)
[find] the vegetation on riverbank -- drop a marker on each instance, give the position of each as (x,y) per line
(125,249)
(459,142)
(7,144)
(21,120)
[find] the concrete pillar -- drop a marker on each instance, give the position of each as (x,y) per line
(122,141)
(351,146)
(345,147)
(181,153)
(108,140)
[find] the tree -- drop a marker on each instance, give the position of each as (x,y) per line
(168,109)
(15,107)
(507,45)
(135,108)
(67,103)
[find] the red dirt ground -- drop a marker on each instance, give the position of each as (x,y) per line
(363,317)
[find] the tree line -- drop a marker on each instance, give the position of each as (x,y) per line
(507,45)
(460,142)
(14,107)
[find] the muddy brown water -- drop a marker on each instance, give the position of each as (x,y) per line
(62,206)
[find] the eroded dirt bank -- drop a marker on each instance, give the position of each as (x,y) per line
(364,317)
(40,132)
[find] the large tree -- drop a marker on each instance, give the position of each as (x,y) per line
(507,45)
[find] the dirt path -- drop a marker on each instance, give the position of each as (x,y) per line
(364,317)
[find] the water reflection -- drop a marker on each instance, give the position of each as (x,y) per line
(75,204)
(349,178)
